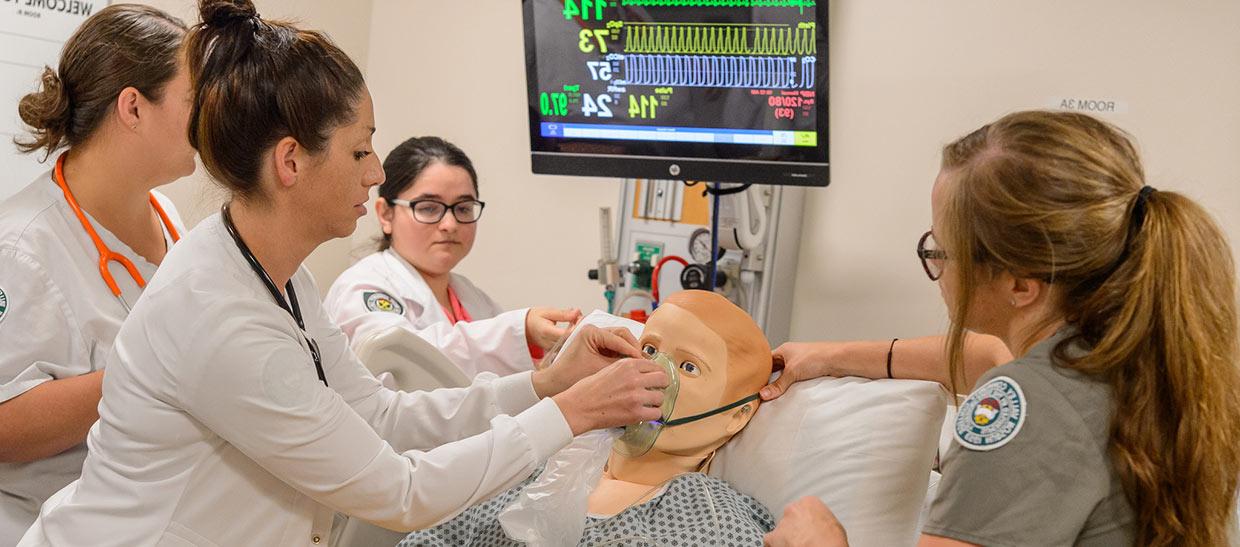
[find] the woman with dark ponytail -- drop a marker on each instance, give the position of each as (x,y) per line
(79,243)
(235,412)
(1119,421)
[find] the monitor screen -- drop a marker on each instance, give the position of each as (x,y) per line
(711,90)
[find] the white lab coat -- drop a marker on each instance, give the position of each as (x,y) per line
(59,321)
(494,341)
(214,428)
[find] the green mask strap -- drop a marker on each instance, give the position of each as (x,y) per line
(720,410)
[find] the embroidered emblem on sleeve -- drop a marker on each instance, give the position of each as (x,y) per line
(4,304)
(381,301)
(992,415)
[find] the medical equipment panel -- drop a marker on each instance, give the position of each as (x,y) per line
(664,241)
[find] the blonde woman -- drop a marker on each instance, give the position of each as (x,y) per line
(1118,421)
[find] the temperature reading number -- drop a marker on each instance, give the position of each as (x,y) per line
(553,104)
(599,70)
(571,10)
(595,105)
(598,34)
(642,106)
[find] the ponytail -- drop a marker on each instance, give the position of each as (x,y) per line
(121,46)
(47,113)
(1163,331)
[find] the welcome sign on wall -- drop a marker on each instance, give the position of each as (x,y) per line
(31,35)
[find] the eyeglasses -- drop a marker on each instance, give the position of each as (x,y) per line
(429,211)
(931,256)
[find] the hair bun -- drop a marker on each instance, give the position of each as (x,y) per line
(223,12)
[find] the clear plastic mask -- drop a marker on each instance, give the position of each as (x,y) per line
(640,437)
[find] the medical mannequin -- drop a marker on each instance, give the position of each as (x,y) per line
(703,331)
(722,357)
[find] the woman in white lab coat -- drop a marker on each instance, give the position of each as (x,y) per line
(118,103)
(233,411)
(428,208)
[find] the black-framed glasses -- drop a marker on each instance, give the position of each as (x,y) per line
(431,211)
(932,257)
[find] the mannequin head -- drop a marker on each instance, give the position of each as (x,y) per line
(722,356)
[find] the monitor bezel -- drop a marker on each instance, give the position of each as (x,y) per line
(680,164)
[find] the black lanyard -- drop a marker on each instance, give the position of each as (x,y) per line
(293,310)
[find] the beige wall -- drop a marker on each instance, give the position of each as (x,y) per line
(348,24)
(457,70)
(906,78)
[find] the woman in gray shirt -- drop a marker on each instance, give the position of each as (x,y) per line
(1118,422)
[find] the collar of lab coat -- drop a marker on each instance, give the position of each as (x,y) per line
(49,191)
(415,285)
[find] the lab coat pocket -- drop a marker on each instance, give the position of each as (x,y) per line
(177,535)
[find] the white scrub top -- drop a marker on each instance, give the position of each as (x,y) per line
(57,320)
(383,290)
(214,428)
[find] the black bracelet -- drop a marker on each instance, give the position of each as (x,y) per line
(889,351)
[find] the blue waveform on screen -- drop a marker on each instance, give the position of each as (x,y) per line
(728,71)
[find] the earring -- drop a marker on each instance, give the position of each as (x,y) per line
(1013,302)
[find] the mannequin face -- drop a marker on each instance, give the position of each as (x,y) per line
(701,357)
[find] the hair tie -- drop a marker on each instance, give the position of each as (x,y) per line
(1138,211)
(1135,222)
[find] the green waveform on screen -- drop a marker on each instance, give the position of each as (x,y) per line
(716,39)
(802,4)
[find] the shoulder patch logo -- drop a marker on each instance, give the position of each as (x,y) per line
(4,303)
(381,301)
(992,415)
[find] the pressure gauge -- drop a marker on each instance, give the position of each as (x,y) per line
(699,246)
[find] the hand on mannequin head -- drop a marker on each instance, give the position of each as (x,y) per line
(721,356)
(542,325)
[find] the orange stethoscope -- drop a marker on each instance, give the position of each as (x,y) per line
(105,254)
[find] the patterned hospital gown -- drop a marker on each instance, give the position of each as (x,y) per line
(694,510)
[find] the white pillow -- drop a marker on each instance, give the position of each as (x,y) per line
(865,447)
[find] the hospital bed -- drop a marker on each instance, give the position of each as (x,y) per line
(865,447)
(413,363)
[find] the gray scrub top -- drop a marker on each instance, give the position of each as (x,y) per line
(1029,464)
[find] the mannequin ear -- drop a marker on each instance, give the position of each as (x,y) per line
(741,417)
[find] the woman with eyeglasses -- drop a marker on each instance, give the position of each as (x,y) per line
(921,358)
(1117,422)
(428,209)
